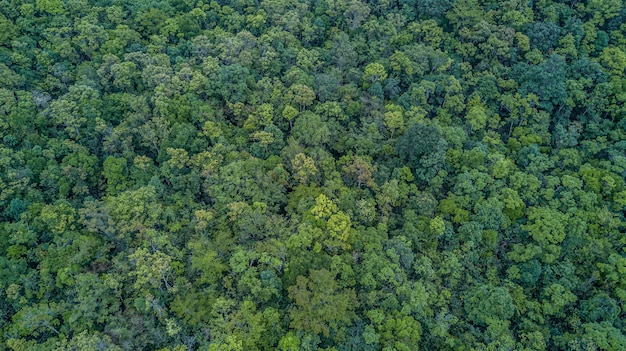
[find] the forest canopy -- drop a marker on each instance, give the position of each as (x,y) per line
(333,175)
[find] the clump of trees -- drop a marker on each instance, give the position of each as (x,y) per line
(312,175)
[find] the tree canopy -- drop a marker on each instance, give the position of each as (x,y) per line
(346,175)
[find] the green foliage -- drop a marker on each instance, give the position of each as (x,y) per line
(312,175)
(486,303)
(113,172)
(320,305)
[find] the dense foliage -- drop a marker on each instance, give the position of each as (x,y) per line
(312,175)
